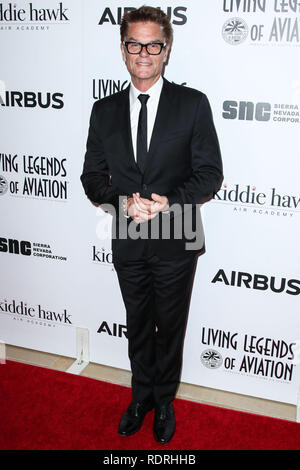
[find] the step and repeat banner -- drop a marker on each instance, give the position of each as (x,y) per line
(56,273)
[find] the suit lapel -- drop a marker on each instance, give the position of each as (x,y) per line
(124,119)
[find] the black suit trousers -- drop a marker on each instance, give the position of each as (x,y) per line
(156,295)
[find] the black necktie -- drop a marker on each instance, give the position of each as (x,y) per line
(141,142)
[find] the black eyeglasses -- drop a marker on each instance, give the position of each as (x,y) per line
(153,48)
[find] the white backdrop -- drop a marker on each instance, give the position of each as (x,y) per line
(56,59)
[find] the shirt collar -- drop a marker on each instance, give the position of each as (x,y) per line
(154,91)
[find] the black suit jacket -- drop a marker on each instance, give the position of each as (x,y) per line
(183,163)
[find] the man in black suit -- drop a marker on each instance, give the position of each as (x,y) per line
(153,156)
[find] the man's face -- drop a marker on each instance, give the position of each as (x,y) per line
(145,68)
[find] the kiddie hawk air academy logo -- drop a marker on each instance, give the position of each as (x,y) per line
(30,17)
(235,31)
(250,199)
(22,311)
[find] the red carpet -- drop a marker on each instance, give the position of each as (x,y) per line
(46,409)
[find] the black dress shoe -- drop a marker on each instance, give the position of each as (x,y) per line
(164,423)
(133,417)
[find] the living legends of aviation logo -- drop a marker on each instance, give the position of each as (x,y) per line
(248,354)
(235,31)
(211,358)
(262,22)
(3,185)
(102,87)
(38,176)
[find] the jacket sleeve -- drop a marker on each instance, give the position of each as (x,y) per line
(206,164)
(95,177)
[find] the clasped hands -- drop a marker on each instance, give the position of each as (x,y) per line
(141,209)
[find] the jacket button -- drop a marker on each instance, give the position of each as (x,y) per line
(145,186)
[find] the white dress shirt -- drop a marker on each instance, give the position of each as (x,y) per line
(135,106)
